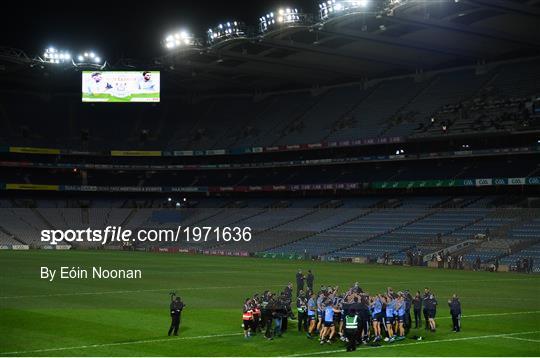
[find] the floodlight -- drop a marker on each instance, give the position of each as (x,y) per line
(89,57)
(179,39)
(52,55)
(227,30)
(332,8)
(284,16)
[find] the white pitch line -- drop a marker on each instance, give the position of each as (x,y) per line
(228,287)
(129,291)
(495,314)
(524,339)
(121,343)
(506,335)
(236,334)
(450,281)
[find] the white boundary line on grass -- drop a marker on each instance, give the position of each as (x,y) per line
(129,291)
(231,287)
(120,343)
(524,339)
(479,315)
(237,334)
(506,335)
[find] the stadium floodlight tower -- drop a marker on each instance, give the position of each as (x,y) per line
(331,8)
(54,56)
(89,59)
(281,18)
(179,40)
(225,31)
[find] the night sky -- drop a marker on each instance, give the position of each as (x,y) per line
(129,29)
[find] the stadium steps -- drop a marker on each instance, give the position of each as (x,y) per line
(449,241)
(9,234)
(459,202)
(289,221)
(304,216)
(514,249)
(201,220)
(183,138)
(383,233)
(524,217)
(365,213)
(535,171)
(403,108)
(444,203)
(470,202)
(352,110)
(262,212)
(387,204)
(85,216)
(252,121)
(128,217)
(331,204)
(220,141)
(43,218)
(508,200)
(280,204)
(294,120)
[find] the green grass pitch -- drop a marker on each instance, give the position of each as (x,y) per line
(130,317)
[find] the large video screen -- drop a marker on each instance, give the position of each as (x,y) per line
(120,86)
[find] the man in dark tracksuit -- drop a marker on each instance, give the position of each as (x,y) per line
(408,302)
(455,312)
(417,308)
(364,318)
(299,282)
(301,306)
(176,308)
(267,312)
(309,279)
(425,309)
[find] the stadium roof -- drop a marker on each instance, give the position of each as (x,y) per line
(414,36)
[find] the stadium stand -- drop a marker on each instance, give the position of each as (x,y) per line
(368,227)
(466,102)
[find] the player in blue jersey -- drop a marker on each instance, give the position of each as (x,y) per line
(390,303)
(329,329)
(400,309)
(376,305)
(312,315)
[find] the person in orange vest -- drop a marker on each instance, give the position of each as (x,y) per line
(256,315)
(247,317)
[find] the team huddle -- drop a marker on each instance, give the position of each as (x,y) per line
(353,316)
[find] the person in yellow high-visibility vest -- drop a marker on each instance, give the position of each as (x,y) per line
(351,329)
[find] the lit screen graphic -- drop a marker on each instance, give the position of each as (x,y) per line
(120,86)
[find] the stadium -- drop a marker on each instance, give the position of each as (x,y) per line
(389,148)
